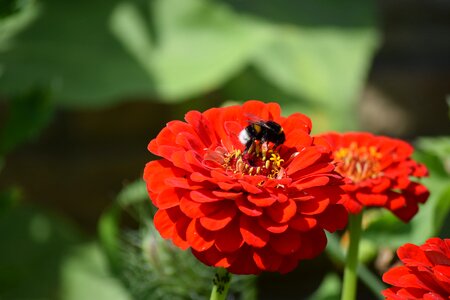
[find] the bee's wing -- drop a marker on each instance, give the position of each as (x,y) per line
(252,119)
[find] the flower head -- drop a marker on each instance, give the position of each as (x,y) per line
(425,273)
(248,208)
(378,171)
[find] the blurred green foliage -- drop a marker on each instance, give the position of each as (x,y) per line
(97,53)
(28,114)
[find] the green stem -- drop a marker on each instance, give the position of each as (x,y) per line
(221,283)
(351,263)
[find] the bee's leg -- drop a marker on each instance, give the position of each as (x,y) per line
(264,148)
(248,145)
(252,147)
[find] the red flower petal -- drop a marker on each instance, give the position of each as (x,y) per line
(262,200)
(252,189)
(203,196)
(312,207)
(244,264)
(195,209)
(298,137)
(282,212)
(378,171)
(304,159)
(297,121)
(372,199)
(313,243)
(267,260)
(272,226)
(253,234)
(289,263)
(164,223)
(287,242)
(227,195)
(168,198)
(179,234)
(198,237)
(213,257)
(422,276)
(333,218)
(248,208)
(229,239)
(219,219)
(312,182)
(408,211)
(302,223)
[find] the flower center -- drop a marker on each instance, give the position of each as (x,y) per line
(358,163)
(258,160)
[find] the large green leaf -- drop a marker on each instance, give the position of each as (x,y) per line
(199,44)
(70,48)
(252,85)
(177,50)
(14,17)
(86,275)
(320,52)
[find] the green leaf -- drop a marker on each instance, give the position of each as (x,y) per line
(132,199)
(86,65)
(10,7)
(28,115)
(387,230)
(70,48)
(192,36)
(34,244)
(251,85)
(322,60)
(329,289)
(442,209)
(85,275)
(109,234)
(439,147)
(24,13)
(133,193)
(9,198)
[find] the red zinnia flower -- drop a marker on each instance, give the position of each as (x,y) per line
(248,211)
(425,273)
(378,170)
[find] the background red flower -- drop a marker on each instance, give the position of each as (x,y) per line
(261,210)
(378,171)
(425,273)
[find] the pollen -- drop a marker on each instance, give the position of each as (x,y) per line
(258,160)
(358,162)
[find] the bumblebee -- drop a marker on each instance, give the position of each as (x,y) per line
(263,131)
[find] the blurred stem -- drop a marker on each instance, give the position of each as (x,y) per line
(351,263)
(221,283)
